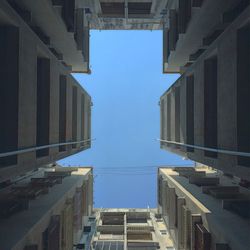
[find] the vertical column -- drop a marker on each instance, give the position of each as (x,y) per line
(9,93)
(164,196)
(74,115)
(210,105)
(62,111)
(180,226)
(227,101)
(43,105)
(190,111)
(186,228)
(243,93)
(172,208)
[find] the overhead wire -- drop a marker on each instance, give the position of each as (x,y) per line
(136,170)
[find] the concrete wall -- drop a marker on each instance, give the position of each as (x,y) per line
(195,21)
(30,48)
(225,48)
(34,235)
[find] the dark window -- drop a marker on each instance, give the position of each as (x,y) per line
(113,9)
(169,117)
(197,3)
(190,112)
(176,211)
(160,182)
(202,238)
(74,115)
(82,117)
(9,90)
(173,29)
(210,105)
(87,229)
(31,247)
(185,7)
(243,93)
(166,48)
(139,8)
(51,236)
(235,11)
(162,119)
(89,121)
(68,14)
(43,105)
(137,220)
(177,114)
(62,111)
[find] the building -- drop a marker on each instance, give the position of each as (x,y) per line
(204,209)
(46,209)
(125,14)
(45,113)
(203,114)
(130,229)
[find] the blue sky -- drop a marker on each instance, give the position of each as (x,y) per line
(126,84)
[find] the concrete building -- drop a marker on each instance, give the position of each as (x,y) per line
(203,114)
(45,113)
(125,14)
(46,209)
(130,229)
(204,209)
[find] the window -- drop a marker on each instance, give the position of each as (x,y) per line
(82,117)
(243,93)
(9,92)
(62,111)
(162,120)
(74,115)
(185,8)
(169,117)
(190,111)
(177,114)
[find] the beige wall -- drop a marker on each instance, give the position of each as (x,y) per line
(224,47)
(30,47)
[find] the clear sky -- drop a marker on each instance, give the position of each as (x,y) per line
(126,84)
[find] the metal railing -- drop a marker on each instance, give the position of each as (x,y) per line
(31,149)
(216,150)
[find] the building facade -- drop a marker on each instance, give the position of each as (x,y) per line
(203,114)
(45,113)
(130,229)
(125,14)
(203,208)
(46,209)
